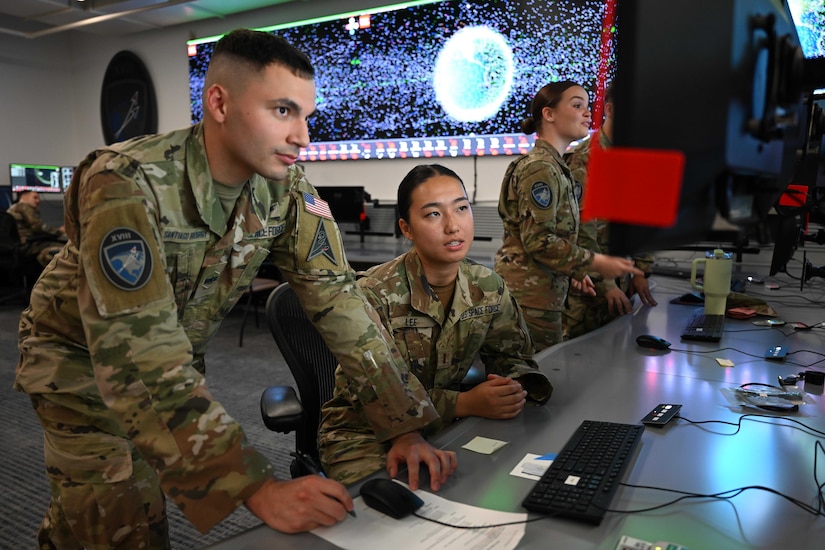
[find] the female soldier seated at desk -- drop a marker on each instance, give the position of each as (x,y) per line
(443,311)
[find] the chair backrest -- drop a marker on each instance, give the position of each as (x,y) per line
(308,358)
(9,234)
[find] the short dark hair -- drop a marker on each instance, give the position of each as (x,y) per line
(548,96)
(608,93)
(416,177)
(261,49)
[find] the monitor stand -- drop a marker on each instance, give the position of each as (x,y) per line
(809,271)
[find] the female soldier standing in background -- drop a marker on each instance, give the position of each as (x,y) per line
(538,206)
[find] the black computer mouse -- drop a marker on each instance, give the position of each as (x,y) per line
(692,298)
(390,498)
(652,342)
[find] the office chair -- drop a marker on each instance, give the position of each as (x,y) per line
(313,367)
(20,268)
(258,284)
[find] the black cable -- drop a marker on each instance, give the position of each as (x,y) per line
(738,424)
(722,495)
(445,524)
(687,495)
(717,350)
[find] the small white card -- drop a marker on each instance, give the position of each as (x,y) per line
(532,466)
(484,445)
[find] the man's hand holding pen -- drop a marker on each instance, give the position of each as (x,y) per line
(314,468)
(301,504)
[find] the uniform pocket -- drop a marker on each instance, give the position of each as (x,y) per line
(87,458)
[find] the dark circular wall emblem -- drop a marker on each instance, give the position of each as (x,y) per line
(128,107)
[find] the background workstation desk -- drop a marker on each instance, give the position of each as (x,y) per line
(606,376)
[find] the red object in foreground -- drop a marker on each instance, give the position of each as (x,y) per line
(634,186)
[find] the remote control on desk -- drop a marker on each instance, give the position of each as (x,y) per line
(661,415)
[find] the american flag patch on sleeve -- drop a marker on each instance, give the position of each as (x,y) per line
(316,206)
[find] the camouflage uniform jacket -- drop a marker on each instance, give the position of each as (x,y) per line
(593,234)
(438,346)
(539,208)
(123,314)
(29,224)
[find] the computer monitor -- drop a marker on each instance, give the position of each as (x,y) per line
(345,202)
(35,177)
(66,174)
(723,83)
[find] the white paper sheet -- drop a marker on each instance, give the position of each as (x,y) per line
(371,529)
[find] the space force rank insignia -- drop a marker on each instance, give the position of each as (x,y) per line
(541,195)
(125,258)
(320,245)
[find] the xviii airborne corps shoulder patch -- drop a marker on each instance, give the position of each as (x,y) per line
(125,258)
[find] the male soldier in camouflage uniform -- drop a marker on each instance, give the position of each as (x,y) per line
(37,238)
(586,313)
(112,346)
(440,329)
(538,205)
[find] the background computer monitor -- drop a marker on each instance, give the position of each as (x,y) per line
(724,82)
(787,236)
(345,202)
(35,177)
(66,174)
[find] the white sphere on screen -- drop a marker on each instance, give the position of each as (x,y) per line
(473,74)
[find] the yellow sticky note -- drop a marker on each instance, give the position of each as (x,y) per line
(724,362)
(484,445)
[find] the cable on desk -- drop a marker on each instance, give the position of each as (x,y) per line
(445,524)
(794,363)
(731,493)
(748,416)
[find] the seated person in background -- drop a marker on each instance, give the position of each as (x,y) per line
(443,310)
(37,238)
(584,312)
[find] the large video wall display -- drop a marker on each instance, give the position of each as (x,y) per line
(435,79)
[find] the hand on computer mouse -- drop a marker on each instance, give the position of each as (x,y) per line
(413,450)
(390,498)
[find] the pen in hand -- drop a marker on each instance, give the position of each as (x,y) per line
(309,464)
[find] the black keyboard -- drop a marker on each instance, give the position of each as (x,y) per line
(581,481)
(705,328)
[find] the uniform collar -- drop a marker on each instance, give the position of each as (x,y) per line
(207,201)
(424,299)
(548,149)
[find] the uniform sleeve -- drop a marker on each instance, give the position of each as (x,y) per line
(142,358)
(544,239)
(311,257)
(644,262)
(508,350)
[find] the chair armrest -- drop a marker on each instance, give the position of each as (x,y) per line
(281,409)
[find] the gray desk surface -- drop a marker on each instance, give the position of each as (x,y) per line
(606,376)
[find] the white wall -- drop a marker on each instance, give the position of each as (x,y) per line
(50,98)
